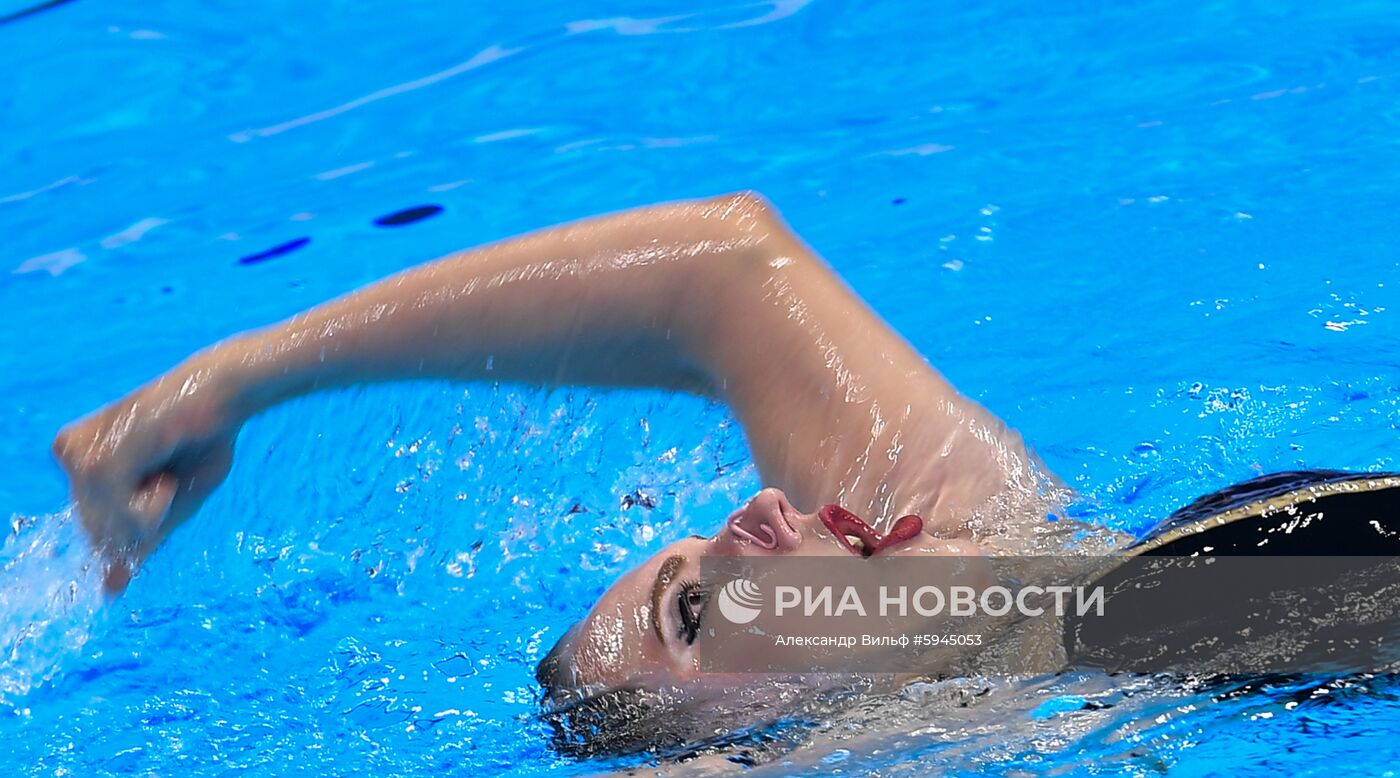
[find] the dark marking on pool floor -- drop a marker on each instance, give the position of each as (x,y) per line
(275,251)
(30,11)
(408,215)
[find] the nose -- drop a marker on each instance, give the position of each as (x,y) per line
(764,524)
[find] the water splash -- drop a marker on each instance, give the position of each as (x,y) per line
(50,599)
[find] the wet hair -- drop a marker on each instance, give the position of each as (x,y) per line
(610,723)
(632,721)
(613,722)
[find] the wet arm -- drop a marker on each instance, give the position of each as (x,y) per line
(714,296)
(622,300)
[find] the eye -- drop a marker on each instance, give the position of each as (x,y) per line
(690,606)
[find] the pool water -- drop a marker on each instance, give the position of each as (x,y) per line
(1158,238)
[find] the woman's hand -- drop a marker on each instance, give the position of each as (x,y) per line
(146,462)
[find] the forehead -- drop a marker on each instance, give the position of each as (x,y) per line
(616,641)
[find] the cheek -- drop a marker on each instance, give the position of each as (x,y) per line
(619,642)
(606,653)
(604,644)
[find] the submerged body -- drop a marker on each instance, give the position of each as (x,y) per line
(716,297)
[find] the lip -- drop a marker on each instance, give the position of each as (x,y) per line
(842,524)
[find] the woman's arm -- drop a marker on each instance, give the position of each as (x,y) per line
(714,296)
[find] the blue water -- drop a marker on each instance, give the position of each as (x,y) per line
(1159,238)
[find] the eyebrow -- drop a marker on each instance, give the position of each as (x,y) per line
(664,576)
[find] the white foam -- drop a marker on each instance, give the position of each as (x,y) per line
(50,600)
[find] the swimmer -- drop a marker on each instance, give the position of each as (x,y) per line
(716,297)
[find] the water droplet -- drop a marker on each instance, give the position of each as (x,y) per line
(837,756)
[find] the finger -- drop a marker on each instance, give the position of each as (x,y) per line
(184,498)
(60,444)
(125,563)
(128,565)
(196,486)
(117,576)
(104,518)
(150,502)
(66,451)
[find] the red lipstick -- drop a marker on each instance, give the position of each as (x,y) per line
(843,524)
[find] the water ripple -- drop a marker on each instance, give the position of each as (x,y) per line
(50,600)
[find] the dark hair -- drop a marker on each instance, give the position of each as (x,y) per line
(588,725)
(631,721)
(635,722)
(614,722)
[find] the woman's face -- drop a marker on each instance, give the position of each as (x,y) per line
(641,632)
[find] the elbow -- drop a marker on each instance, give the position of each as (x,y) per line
(747,211)
(748,199)
(753,231)
(734,240)
(753,248)
(727,295)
